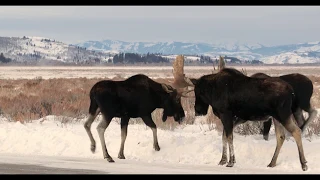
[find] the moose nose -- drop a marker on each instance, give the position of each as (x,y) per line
(178,118)
(182,119)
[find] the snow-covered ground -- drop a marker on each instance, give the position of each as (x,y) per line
(47,72)
(187,149)
(289,57)
(191,149)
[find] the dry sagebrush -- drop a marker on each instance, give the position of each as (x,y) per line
(25,100)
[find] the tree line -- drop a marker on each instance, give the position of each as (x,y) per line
(135,58)
(132,58)
(4,59)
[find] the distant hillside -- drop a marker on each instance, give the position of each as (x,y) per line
(292,53)
(33,49)
(41,49)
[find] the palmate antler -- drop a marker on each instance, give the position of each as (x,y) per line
(180,80)
(185,92)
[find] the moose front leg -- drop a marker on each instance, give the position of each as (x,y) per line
(124,129)
(224,157)
(227,121)
(149,122)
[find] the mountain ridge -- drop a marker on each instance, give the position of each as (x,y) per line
(308,52)
(32,48)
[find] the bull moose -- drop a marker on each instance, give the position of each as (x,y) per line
(236,98)
(137,96)
(303,90)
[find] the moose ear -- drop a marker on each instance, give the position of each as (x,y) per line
(167,88)
(194,81)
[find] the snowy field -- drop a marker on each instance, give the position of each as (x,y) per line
(189,149)
(18,72)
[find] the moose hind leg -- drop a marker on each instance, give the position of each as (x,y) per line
(280,135)
(312,114)
(87,126)
(266,128)
(149,122)
(296,133)
(232,158)
(298,116)
(101,128)
(124,129)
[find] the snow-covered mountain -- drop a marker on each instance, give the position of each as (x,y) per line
(292,53)
(40,48)
(32,49)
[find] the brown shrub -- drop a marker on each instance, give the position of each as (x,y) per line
(26,100)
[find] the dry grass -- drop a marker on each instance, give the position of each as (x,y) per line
(25,100)
(28,99)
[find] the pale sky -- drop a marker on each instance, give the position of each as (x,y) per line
(268,25)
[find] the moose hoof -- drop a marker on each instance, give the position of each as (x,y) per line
(121,156)
(230,164)
(304,167)
(157,148)
(271,165)
(222,162)
(93,148)
(109,159)
(265,137)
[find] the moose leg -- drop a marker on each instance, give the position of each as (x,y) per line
(298,116)
(312,114)
(224,157)
(149,122)
(124,129)
(238,121)
(280,135)
(266,128)
(101,128)
(87,126)
(296,133)
(227,121)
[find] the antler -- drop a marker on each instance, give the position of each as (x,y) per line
(180,79)
(184,91)
(186,96)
